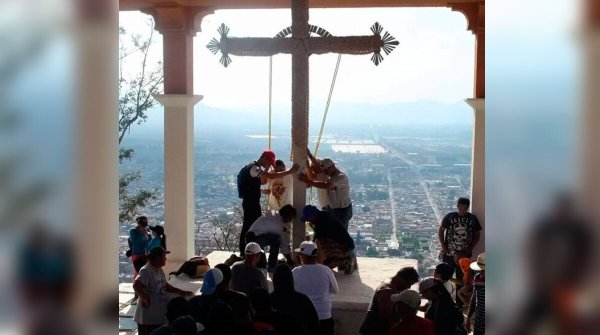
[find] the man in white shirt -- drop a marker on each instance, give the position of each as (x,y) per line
(245,276)
(273,229)
(318,283)
(337,186)
(279,189)
(151,287)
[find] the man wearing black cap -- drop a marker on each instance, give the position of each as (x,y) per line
(249,180)
(151,288)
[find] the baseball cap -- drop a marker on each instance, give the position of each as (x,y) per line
(480,264)
(408,297)
(308,212)
(326,163)
(253,248)
(307,248)
(427,283)
(212,278)
(270,156)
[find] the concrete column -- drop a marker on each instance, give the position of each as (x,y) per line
(178,25)
(96,166)
(179,173)
(478,167)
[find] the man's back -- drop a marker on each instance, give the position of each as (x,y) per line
(330,227)
(339,195)
(299,306)
(269,222)
(318,283)
(246,278)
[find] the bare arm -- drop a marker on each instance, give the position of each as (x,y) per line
(273,174)
(471,305)
(470,312)
(441,238)
(318,184)
(315,167)
(140,290)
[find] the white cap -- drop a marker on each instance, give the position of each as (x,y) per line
(307,248)
(410,298)
(480,264)
(253,248)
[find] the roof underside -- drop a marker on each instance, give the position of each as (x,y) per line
(264,4)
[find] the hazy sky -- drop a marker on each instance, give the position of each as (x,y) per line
(434,60)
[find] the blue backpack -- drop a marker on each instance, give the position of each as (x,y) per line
(243,180)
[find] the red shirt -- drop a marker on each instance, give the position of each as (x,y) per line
(414,326)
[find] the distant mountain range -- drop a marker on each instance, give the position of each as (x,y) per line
(403,114)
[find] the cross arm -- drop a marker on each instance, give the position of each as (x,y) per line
(262,46)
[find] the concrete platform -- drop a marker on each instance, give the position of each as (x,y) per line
(349,305)
(352,301)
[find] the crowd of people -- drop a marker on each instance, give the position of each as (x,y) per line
(235,296)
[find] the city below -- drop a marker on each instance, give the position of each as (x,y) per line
(403,180)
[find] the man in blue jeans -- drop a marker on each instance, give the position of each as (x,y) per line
(273,229)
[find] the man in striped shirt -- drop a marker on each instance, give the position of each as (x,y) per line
(476,312)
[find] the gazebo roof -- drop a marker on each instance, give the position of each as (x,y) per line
(247,4)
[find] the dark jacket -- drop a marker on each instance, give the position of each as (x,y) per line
(285,299)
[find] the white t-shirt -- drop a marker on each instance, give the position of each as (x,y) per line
(319,284)
(451,288)
(322,197)
(338,195)
(272,222)
(155,284)
(281,192)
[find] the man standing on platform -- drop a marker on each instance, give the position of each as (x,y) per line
(318,283)
(151,287)
(458,234)
(249,180)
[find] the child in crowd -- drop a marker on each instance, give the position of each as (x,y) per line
(443,273)
(465,292)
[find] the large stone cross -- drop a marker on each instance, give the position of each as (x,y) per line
(301,45)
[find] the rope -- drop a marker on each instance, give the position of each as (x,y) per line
(337,66)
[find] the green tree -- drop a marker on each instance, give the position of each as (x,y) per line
(135,99)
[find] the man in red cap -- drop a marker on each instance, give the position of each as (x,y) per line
(249,180)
